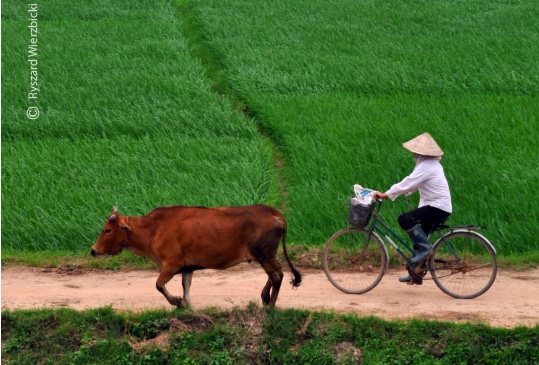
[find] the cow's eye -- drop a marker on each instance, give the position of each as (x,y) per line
(107,231)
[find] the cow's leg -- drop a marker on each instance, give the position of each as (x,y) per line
(266,293)
(187,278)
(164,277)
(275,275)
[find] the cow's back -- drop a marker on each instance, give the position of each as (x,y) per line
(264,215)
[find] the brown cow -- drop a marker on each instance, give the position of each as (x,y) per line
(183,239)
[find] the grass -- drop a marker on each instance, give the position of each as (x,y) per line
(340,88)
(132,124)
(79,261)
(235,102)
(373,48)
(73,191)
(347,152)
(252,335)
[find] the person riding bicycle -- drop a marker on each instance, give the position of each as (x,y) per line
(434,196)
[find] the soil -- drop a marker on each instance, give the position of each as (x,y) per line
(510,302)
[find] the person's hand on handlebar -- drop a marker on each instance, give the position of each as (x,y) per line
(379,195)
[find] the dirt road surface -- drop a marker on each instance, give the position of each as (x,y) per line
(512,301)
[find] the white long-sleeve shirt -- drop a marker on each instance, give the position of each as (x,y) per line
(428,177)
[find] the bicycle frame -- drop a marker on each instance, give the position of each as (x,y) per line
(381,227)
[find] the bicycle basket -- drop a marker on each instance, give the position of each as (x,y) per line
(359,215)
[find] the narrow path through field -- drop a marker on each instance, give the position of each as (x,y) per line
(512,301)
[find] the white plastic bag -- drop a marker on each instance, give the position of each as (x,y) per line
(363,196)
(361,206)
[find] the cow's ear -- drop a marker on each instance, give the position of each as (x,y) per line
(125,227)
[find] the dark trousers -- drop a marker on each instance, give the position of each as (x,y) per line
(425,216)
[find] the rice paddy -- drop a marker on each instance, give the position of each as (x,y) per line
(222,102)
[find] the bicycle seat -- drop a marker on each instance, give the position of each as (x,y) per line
(440,224)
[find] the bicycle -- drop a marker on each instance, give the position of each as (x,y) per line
(462,264)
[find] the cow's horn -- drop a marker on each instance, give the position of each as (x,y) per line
(115,209)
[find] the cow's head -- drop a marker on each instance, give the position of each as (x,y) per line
(112,239)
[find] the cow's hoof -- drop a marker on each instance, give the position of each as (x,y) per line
(179,302)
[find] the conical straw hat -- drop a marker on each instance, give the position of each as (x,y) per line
(424,145)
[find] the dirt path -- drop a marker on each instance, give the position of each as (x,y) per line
(512,301)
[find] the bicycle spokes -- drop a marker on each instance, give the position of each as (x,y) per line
(354,261)
(464,264)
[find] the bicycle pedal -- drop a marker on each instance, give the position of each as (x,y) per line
(416,274)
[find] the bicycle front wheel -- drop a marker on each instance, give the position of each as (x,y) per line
(354,262)
(464,264)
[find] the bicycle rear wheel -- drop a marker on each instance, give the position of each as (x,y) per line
(353,261)
(463,264)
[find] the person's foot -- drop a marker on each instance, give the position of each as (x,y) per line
(405,279)
(411,281)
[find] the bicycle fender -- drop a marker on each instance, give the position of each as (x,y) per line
(470,227)
(469,232)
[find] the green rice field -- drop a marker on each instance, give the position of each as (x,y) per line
(222,102)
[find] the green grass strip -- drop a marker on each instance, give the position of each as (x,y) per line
(252,335)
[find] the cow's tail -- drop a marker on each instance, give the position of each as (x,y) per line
(297,276)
